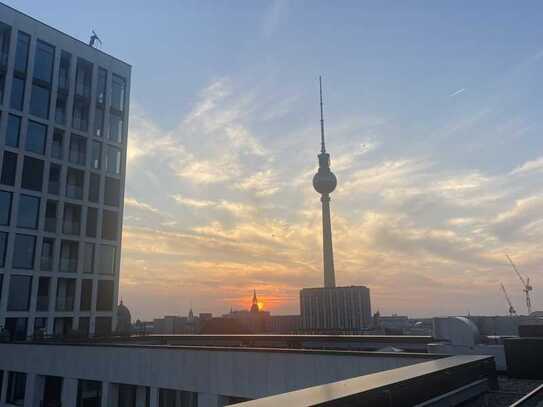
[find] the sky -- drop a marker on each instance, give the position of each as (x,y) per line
(433,122)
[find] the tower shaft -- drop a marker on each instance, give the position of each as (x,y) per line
(327,249)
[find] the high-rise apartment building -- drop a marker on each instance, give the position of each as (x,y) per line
(63,137)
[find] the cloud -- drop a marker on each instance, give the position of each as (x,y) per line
(192,202)
(134,203)
(219,204)
(458,92)
(529,167)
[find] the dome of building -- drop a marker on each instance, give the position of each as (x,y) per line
(324,182)
(124,319)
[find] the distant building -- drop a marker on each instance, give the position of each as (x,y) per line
(124,320)
(335,309)
(176,324)
(252,321)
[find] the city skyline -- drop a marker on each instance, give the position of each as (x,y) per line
(435,143)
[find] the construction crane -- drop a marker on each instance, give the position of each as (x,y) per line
(526,287)
(512,310)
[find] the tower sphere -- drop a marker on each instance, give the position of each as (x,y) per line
(324,182)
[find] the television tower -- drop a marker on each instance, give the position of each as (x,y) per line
(324,183)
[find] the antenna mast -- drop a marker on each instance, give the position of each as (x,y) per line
(323,148)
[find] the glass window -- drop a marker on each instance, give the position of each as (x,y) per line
(65,294)
(3,246)
(43,294)
(5,207)
(80,117)
(110,225)
(40,327)
(104,301)
(102,327)
(68,256)
(28,213)
(72,219)
(64,70)
(39,101)
(19,293)
(94,187)
(83,78)
(88,266)
(115,128)
(13,130)
(98,122)
(5,35)
(35,137)
(78,149)
(21,52)
(112,191)
(89,393)
(16,328)
(51,215)
(74,183)
(23,253)
(16,388)
(84,330)
(113,160)
(53,186)
(106,259)
(57,148)
(32,174)
(43,61)
(92,222)
(47,254)
(60,109)
(96,155)
(17,93)
(9,168)
(62,326)
(117,92)
(176,398)
(101,86)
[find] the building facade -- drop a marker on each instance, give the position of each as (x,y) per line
(63,133)
(338,309)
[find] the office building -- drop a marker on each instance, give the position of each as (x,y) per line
(338,309)
(332,308)
(63,137)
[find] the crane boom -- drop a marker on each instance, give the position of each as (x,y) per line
(526,287)
(516,271)
(512,310)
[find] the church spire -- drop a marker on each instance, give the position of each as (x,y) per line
(254,305)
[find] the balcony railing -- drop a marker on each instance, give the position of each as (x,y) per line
(457,378)
(532,399)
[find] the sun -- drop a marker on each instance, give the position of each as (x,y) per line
(260,305)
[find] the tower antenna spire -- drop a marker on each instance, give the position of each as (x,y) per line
(323,148)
